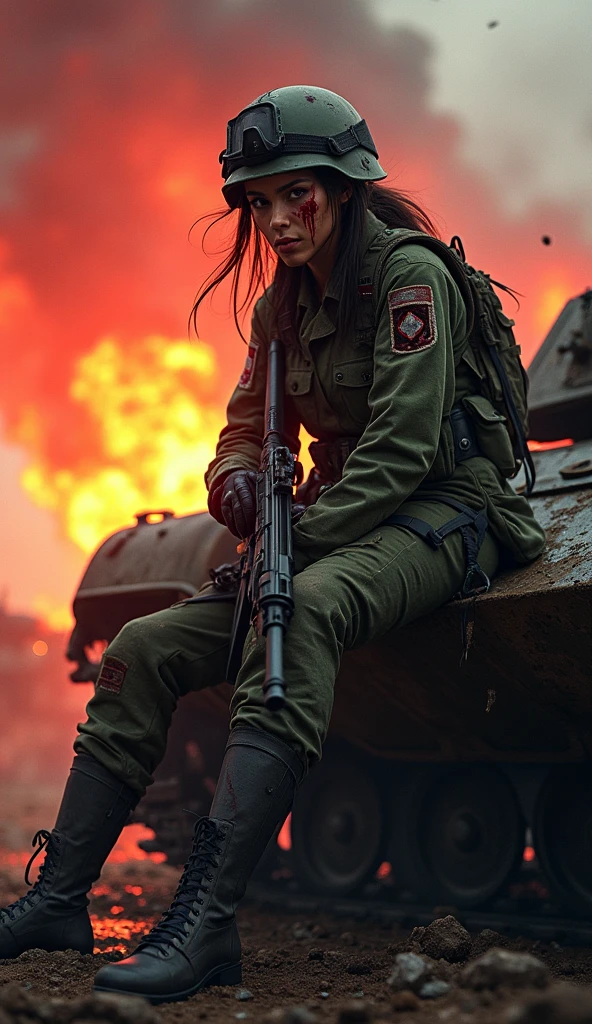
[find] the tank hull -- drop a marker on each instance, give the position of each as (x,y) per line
(523,693)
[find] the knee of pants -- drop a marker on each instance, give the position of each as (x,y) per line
(314,599)
(131,642)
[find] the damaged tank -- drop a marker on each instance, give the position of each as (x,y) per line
(436,775)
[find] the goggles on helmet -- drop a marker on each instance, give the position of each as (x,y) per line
(255,136)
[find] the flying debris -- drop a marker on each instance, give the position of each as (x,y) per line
(546,239)
(492,24)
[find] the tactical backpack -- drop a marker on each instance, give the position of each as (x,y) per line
(495,354)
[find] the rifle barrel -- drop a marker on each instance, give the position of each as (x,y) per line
(274,689)
(274,397)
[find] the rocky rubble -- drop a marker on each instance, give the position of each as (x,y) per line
(419,975)
(291,1015)
(501,967)
(324,970)
(443,939)
(565,1004)
(19,1005)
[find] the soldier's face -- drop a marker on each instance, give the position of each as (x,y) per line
(293,212)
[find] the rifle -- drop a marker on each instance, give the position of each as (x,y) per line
(265,592)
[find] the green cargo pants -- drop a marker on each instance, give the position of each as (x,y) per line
(354,595)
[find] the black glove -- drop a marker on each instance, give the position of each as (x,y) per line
(233,502)
(298,510)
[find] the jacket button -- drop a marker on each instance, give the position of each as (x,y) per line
(295,386)
(339,376)
(365,376)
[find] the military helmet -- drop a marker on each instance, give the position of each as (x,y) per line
(293,128)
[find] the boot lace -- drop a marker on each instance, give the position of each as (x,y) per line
(196,873)
(43,841)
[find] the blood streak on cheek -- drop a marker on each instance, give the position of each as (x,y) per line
(307,212)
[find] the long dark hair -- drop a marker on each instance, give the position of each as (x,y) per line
(395,208)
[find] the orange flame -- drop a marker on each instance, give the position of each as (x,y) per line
(544,446)
(555,289)
(154,409)
(57,617)
(284,839)
(127,848)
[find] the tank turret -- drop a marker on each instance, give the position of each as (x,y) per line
(560,376)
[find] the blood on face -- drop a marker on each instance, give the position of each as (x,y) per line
(307,211)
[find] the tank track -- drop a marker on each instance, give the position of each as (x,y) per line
(522,907)
(511,922)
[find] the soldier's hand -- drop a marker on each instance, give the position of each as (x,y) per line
(237,502)
(298,510)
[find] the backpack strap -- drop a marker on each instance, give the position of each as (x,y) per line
(523,449)
(453,257)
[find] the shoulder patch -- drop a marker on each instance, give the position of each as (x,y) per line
(112,674)
(366,288)
(412,319)
(246,377)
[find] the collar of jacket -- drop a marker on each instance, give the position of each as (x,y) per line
(308,299)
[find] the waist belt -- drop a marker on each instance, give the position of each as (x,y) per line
(329,457)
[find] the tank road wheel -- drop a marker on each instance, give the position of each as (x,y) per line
(563,835)
(469,833)
(337,827)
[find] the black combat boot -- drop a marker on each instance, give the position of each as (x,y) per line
(196,943)
(53,914)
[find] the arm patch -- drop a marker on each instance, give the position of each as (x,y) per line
(412,319)
(112,674)
(246,377)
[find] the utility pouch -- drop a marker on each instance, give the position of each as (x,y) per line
(491,433)
(463,434)
(330,457)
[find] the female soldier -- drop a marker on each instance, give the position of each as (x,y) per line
(376,362)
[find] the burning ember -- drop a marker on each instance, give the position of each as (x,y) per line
(106,929)
(543,446)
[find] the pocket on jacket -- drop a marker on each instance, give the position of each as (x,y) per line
(351,382)
(298,382)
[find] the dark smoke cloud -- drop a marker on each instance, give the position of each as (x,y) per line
(112,118)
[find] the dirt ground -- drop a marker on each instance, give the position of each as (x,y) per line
(334,968)
(323,969)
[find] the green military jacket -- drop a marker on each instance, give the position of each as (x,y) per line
(391,383)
